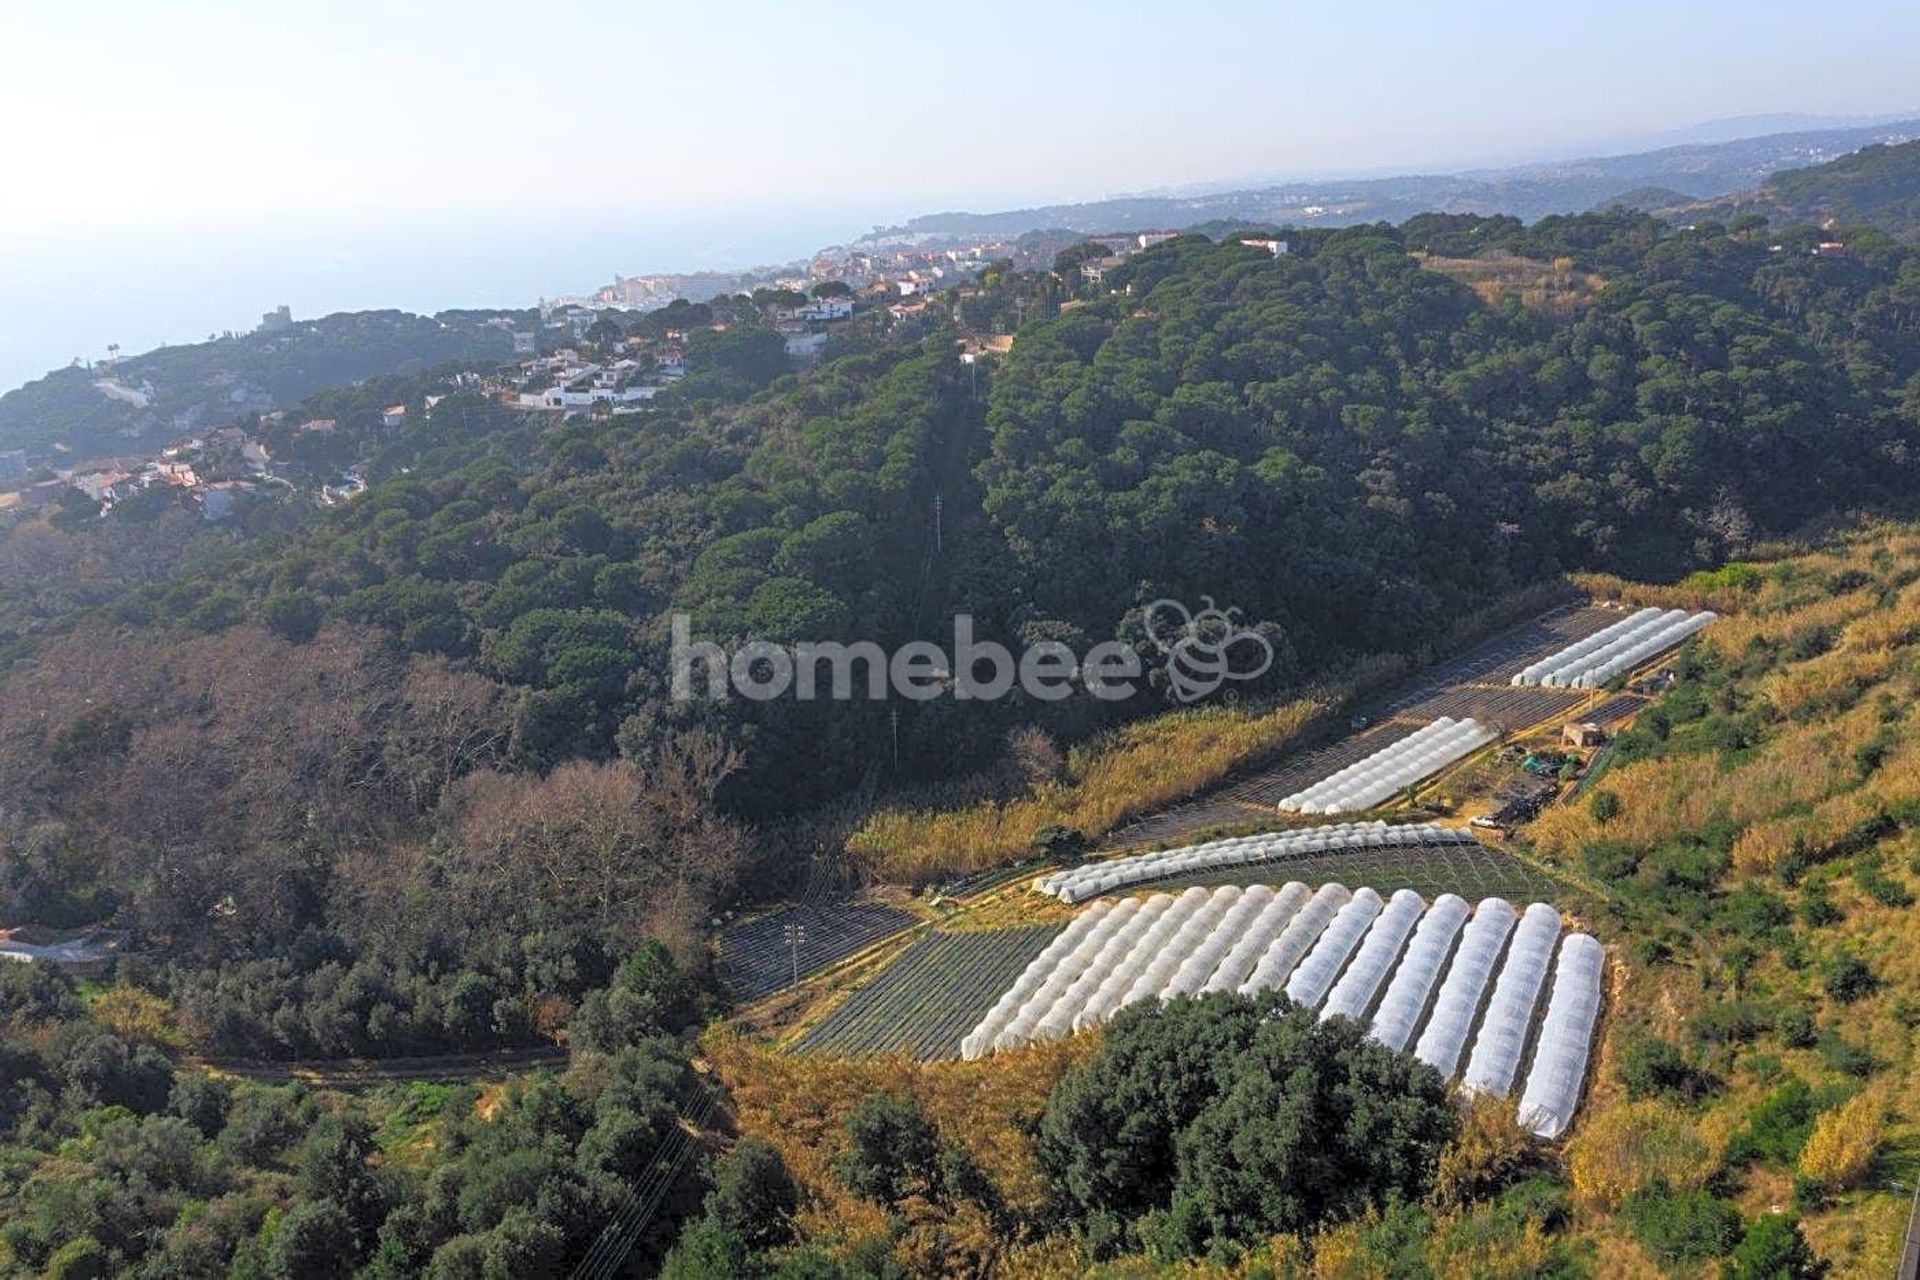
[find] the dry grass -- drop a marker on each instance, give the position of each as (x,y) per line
(800,1105)
(1553,288)
(1134,770)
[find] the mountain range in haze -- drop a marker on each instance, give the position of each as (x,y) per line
(1691,170)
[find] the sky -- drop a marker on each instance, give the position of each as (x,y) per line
(223,155)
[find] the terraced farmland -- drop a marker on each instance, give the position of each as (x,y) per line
(757,958)
(930,997)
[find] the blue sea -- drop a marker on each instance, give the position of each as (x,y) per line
(71,292)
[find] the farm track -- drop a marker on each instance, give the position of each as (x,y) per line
(757,960)
(370,1073)
(926,1001)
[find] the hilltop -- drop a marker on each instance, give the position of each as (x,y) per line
(1877,186)
(143,400)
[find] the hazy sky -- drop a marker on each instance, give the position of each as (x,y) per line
(190,112)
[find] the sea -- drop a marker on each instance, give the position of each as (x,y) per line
(69,293)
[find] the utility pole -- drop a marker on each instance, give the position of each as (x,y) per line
(795,935)
(939,507)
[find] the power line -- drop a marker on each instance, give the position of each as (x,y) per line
(637,1207)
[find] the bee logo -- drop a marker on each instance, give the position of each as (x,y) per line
(1205,649)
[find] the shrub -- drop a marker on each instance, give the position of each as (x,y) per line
(1752,912)
(1604,806)
(1848,978)
(1488,1153)
(892,1149)
(1794,1026)
(752,1193)
(1883,889)
(1817,908)
(1773,1249)
(1651,951)
(1777,1127)
(1057,841)
(1207,1124)
(1847,1057)
(1682,1227)
(1654,1068)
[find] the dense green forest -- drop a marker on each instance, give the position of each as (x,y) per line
(115,1162)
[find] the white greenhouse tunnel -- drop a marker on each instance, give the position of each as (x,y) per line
(1597,660)
(1077,884)
(1492,998)
(1390,770)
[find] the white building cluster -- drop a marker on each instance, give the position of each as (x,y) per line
(1462,986)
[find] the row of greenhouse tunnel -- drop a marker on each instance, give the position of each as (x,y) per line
(1385,773)
(1489,996)
(1612,651)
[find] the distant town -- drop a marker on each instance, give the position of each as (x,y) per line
(610,351)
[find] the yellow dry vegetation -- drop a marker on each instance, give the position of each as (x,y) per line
(1135,769)
(1660,799)
(800,1105)
(1734,634)
(1825,654)
(1819,667)
(134,1014)
(1845,1141)
(1632,1146)
(1554,288)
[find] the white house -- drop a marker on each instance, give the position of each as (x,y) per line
(827,310)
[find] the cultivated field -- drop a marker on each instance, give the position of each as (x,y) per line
(924,1002)
(757,957)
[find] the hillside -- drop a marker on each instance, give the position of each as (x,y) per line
(1701,170)
(142,401)
(1745,851)
(1877,187)
(1356,452)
